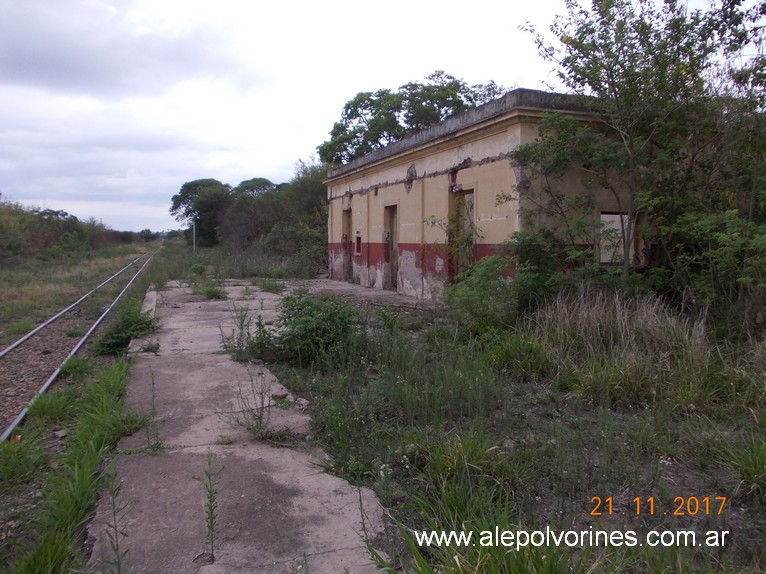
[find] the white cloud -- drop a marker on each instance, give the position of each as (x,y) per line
(84,47)
(109,106)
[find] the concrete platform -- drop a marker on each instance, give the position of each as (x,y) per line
(278,511)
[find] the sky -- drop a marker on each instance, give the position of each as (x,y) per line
(107,107)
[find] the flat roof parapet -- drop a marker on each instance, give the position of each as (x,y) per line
(520,98)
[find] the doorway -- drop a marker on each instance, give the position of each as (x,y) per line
(346,246)
(390,248)
(461,233)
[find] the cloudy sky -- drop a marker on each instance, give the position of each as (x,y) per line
(108,106)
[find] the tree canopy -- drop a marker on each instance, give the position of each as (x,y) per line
(203,202)
(254,186)
(372,120)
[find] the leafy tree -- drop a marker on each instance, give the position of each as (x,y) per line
(372,120)
(249,218)
(669,147)
(306,194)
(641,71)
(287,219)
(203,202)
(147,235)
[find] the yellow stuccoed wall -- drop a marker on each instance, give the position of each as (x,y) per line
(423,210)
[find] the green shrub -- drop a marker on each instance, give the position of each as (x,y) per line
(198,269)
(486,297)
(313,327)
(131,324)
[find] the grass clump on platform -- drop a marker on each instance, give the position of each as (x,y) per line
(269,285)
(212,292)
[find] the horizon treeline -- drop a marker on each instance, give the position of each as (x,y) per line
(27,232)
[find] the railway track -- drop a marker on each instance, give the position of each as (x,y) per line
(32,363)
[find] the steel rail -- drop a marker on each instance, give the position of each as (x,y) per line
(60,313)
(7,433)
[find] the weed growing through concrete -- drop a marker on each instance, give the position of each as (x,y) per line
(114,532)
(270,285)
(284,404)
(303,566)
(238,343)
(253,407)
(209,482)
(151,347)
(224,440)
(212,292)
(153,442)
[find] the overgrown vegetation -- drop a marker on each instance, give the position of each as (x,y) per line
(34,289)
(675,148)
(518,423)
(129,324)
(53,466)
(372,120)
(49,234)
(94,418)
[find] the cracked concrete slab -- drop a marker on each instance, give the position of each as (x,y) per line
(278,511)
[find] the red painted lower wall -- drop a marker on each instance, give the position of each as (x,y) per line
(431,258)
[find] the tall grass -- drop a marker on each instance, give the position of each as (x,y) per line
(589,393)
(622,350)
(21,459)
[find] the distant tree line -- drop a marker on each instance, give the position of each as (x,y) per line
(286,218)
(48,233)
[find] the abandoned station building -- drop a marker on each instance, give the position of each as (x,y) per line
(411,216)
